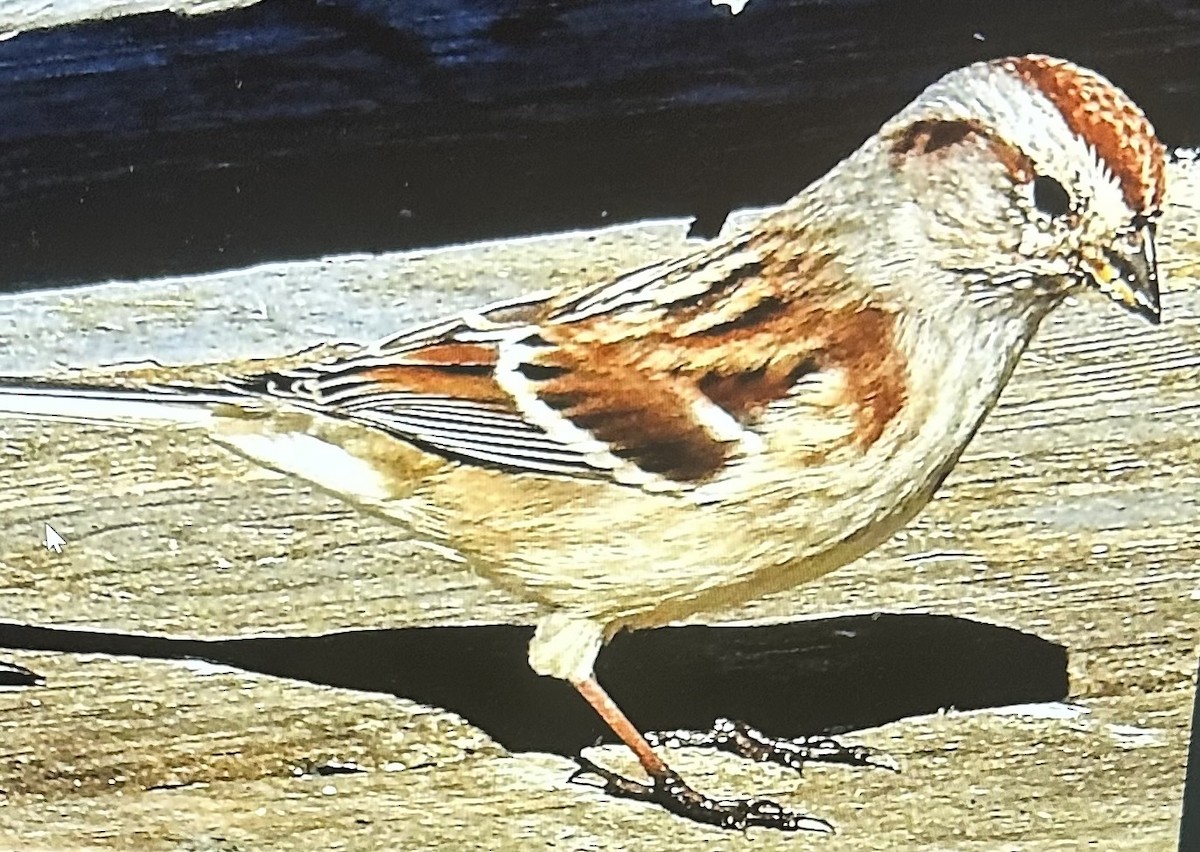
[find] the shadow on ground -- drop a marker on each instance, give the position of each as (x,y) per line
(815,676)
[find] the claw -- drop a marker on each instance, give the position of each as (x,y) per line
(744,741)
(614,784)
(670,792)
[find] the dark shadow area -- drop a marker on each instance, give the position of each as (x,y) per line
(14,676)
(1189,827)
(808,677)
(162,144)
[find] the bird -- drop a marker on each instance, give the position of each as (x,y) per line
(733,421)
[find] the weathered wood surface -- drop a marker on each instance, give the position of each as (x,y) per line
(166,758)
(1074,515)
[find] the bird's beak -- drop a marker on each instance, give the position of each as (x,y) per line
(1128,273)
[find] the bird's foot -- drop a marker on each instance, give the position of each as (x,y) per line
(749,743)
(670,792)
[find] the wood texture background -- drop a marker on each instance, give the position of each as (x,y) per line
(1074,515)
(293,129)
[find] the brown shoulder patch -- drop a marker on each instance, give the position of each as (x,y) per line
(463,381)
(453,355)
(461,370)
(640,395)
(645,420)
(761,362)
(862,344)
(1108,119)
(744,393)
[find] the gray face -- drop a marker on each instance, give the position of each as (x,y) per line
(990,182)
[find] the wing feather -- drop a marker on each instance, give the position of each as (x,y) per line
(656,378)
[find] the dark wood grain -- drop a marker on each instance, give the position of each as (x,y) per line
(294,128)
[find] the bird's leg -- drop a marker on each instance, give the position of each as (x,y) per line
(668,790)
(752,744)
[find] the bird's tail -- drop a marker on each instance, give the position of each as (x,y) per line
(156,405)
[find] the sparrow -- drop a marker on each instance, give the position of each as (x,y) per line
(731,422)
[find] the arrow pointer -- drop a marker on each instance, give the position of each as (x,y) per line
(53,541)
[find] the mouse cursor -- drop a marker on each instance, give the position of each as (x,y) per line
(53,541)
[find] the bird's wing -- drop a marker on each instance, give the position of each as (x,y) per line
(656,378)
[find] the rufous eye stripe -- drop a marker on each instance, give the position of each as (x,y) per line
(1112,124)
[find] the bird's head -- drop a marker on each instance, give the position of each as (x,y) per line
(1030,175)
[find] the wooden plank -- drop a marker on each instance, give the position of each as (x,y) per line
(121,753)
(296,128)
(1074,515)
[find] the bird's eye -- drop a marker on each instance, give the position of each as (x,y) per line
(1050,197)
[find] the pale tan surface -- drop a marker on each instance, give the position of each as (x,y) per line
(227,746)
(1074,515)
